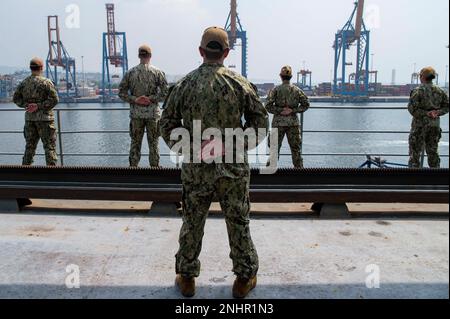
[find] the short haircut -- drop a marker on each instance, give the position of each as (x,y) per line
(430,78)
(215,55)
(34,67)
(286,77)
(144,55)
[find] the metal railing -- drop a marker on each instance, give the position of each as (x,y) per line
(62,155)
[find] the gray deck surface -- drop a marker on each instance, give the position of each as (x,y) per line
(123,254)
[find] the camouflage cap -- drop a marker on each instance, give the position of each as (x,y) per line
(215,34)
(145,50)
(427,72)
(36,63)
(286,71)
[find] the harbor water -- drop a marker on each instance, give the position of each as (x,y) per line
(314,144)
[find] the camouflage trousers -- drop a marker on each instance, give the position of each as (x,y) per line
(35,131)
(295,142)
(137,132)
(233,195)
(424,138)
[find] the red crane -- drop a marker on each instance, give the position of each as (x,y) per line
(235,31)
(233,23)
(359,19)
(58,57)
(114,53)
(112,41)
(54,42)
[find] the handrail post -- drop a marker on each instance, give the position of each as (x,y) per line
(422,159)
(60,143)
(178,160)
(302,122)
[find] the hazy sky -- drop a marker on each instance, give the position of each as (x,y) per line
(280,32)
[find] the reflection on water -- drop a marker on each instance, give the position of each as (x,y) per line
(118,144)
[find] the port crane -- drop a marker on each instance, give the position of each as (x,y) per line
(115,53)
(304,79)
(58,58)
(235,31)
(353,34)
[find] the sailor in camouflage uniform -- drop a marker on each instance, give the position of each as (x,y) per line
(285,102)
(220,99)
(144,87)
(428,103)
(37,95)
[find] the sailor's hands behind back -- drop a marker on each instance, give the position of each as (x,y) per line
(32,108)
(433,114)
(211,149)
(143,101)
(287,111)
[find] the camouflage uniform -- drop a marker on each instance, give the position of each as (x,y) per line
(220,99)
(41,124)
(425,131)
(144,80)
(288,95)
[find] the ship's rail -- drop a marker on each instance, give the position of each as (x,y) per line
(331,187)
(63,154)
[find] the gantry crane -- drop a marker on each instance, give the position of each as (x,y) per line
(354,33)
(58,57)
(115,52)
(304,80)
(235,31)
(415,78)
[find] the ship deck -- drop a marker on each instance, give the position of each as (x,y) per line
(124,252)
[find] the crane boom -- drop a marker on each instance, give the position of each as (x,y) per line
(54,42)
(354,33)
(112,39)
(236,32)
(359,19)
(233,22)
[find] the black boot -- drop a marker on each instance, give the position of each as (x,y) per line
(23,202)
(317,207)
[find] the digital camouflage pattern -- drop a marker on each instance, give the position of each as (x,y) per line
(200,187)
(46,131)
(425,131)
(137,131)
(220,99)
(39,125)
(144,80)
(295,141)
(37,90)
(288,95)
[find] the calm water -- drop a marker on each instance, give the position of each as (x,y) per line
(118,143)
